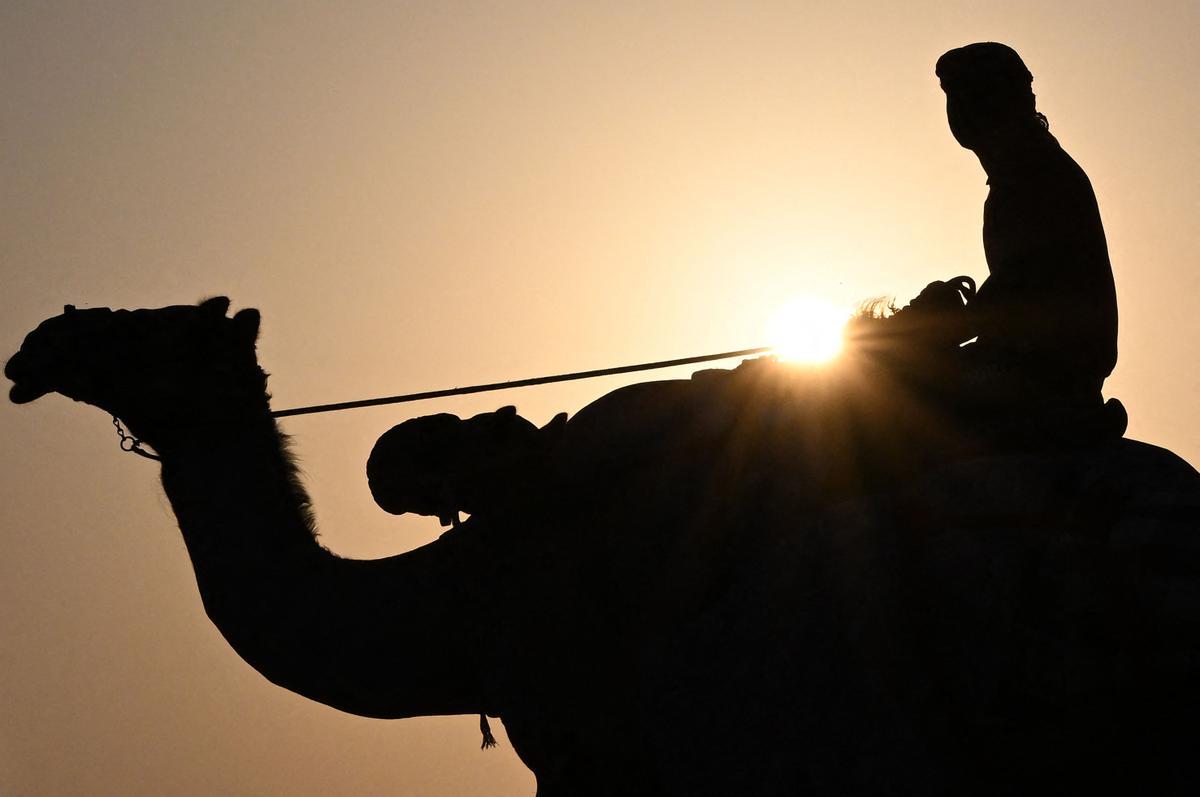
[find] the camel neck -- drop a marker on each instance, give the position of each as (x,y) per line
(239,504)
(321,625)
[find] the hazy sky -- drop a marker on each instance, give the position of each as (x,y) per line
(421,195)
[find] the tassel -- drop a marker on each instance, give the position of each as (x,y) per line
(486,729)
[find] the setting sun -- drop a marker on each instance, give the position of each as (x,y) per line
(807,330)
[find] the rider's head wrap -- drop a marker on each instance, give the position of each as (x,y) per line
(991,73)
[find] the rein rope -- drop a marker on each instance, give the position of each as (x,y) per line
(537,380)
(132,444)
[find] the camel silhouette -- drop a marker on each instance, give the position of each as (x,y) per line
(763,580)
(934,568)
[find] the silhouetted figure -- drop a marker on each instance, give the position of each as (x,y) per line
(441,465)
(1046,317)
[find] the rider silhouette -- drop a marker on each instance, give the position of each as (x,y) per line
(1046,317)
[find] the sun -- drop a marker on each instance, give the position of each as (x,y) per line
(807,330)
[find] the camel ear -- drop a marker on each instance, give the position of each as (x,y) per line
(217,305)
(507,410)
(246,324)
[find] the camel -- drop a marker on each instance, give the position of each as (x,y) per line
(753,581)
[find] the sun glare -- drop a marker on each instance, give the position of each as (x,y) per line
(807,330)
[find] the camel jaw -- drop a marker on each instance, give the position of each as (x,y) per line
(57,355)
(24,390)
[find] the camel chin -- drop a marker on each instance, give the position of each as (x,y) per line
(23,394)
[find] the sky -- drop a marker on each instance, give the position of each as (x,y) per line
(428,194)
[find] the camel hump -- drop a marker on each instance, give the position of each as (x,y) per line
(648,416)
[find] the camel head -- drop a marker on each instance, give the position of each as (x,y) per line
(414,467)
(441,465)
(168,366)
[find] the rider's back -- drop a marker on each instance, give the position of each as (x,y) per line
(1050,302)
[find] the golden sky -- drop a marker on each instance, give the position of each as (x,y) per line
(422,195)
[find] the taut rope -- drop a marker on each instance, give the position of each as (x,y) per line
(131,443)
(537,380)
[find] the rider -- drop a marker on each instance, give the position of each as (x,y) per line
(1046,317)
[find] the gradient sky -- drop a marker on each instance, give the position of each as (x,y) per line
(422,195)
